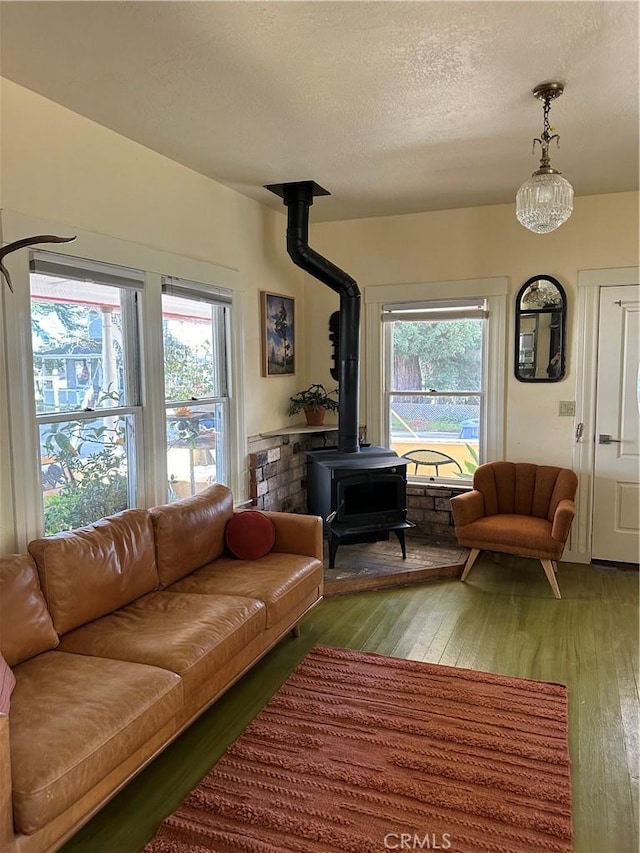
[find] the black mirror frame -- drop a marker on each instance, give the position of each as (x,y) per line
(563,326)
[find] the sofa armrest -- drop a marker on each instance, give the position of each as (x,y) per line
(562,519)
(297,534)
(7,683)
(467,508)
(6,802)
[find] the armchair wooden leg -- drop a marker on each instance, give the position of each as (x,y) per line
(555,565)
(295,631)
(547,565)
(473,556)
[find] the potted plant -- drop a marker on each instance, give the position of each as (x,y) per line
(314,402)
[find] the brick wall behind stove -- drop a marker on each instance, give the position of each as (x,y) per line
(278,471)
(278,481)
(429,507)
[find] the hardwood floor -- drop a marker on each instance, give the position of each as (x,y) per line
(504,619)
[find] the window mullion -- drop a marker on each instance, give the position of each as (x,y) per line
(221,350)
(154,449)
(443,393)
(24,433)
(387,380)
(86,414)
(131,345)
(193,401)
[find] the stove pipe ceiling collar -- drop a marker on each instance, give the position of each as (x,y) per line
(298,197)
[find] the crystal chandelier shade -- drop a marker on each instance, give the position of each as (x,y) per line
(545,201)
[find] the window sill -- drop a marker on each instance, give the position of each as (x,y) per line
(463,485)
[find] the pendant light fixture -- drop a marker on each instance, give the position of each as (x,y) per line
(545,201)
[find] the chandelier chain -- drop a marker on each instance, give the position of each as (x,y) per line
(545,111)
(546,137)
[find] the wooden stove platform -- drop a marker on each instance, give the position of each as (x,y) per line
(377,565)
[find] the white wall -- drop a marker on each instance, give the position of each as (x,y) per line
(485,242)
(59,166)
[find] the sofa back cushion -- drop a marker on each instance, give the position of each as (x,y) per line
(26,628)
(190,533)
(94,570)
(524,488)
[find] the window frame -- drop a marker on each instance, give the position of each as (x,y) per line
(130,283)
(494,292)
(19,441)
(388,392)
(221,298)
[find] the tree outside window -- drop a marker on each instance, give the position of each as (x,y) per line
(441,361)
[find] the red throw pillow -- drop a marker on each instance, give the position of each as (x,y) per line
(250,534)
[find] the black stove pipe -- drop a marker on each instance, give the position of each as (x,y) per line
(298,197)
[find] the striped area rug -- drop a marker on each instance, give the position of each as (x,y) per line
(363,753)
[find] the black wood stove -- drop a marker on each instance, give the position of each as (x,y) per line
(362,497)
(360,492)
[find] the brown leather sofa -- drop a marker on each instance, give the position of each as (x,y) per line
(517,508)
(122,633)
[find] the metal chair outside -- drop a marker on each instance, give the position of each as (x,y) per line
(430,458)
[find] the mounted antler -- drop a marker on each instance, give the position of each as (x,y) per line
(21,244)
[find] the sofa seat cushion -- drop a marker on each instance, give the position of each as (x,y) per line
(191,635)
(281,581)
(523,535)
(74,719)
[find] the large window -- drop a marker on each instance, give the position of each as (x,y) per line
(195,325)
(87,387)
(122,376)
(434,385)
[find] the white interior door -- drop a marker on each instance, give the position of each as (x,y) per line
(616,505)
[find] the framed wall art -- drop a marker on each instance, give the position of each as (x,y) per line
(278,334)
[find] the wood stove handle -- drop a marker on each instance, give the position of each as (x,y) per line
(333,514)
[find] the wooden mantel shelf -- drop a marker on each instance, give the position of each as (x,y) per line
(300,429)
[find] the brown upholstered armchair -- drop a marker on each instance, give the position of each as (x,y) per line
(517,508)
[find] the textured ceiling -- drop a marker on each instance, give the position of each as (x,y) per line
(394,107)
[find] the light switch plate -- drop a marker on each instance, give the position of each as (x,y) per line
(567,408)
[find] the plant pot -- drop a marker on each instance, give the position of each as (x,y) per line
(315,417)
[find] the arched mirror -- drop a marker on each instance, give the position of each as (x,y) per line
(541,311)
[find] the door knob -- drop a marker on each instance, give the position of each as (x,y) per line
(606,439)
